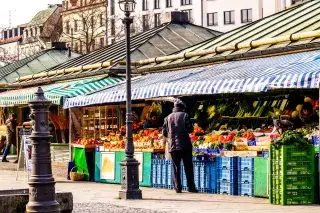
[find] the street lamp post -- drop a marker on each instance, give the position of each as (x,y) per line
(130,166)
(42,195)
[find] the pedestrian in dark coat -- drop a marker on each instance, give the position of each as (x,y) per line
(176,129)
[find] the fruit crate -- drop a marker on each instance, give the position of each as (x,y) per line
(245,189)
(227,175)
(260,177)
(246,163)
(227,188)
(246,177)
(227,163)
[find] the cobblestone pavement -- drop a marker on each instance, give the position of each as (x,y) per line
(95,197)
(103,208)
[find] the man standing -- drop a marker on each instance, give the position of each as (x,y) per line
(11,125)
(176,129)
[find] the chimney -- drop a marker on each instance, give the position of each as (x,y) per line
(176,17)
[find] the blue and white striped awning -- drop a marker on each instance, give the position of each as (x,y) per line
(300,70)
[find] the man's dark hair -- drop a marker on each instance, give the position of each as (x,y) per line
(14,115)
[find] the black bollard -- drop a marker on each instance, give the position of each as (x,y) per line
(42,194)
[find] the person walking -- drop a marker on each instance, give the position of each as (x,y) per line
(176,129)
(11,125)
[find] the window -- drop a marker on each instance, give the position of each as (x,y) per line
(76,25)
(157,19)
(81,3)
(189,12)
(92,22)
(186,2)
(212,19)
(80,47)
(113,27)
(229,17)
(101,20)
(101,42)
(31,33)
(168,3)
(145,22)
(76,47)
(67,4)
(156,4)
(67,27)
(246,15)
(84,23)
(144,5)
(93,44)
(112,4)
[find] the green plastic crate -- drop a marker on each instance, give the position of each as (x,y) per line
(146,171)
(261,177)
(292,175)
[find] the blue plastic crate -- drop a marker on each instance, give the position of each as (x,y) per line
(246,176)
(159,174)
(213,177)
(265,154)
(170,175)
(228,188)
(227,162)
(202,175)
(246,163)
(184,179)
(164,174)
(154,163)
(226,175)
(246,189)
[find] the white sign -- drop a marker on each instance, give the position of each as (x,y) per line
(27,146)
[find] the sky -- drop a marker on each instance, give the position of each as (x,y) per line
(22,11)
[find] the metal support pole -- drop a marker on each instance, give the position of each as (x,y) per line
(130,166)
(42,195)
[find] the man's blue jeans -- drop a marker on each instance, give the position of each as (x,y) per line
(6,151)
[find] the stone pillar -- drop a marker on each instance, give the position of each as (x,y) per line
(42,194)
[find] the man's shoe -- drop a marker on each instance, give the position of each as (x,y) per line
(5,160)
(16,161)
(193,190)
(178,191)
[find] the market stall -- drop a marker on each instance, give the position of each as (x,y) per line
(98,137)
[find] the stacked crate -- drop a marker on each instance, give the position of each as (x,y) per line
(260,177)
(292,179)
(227,175)
(204,176)
(246,176)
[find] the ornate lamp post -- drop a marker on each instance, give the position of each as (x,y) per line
(129,173)
(42,195)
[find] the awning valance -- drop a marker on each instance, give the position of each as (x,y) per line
(300,70)
(57,92)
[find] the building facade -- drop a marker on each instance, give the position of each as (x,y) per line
(220,15)
(10,40)
(41,31)
(84,24)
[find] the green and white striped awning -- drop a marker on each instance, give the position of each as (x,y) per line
(57,92)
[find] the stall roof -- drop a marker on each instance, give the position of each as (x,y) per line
(300,70)
(163,40)
(252,40)
(34,64)
(59,91)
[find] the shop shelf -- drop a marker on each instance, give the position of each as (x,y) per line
(246,177)
(227,162)
(260,177)
(246,163)
(245,189)
(227,188)
(226,175)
